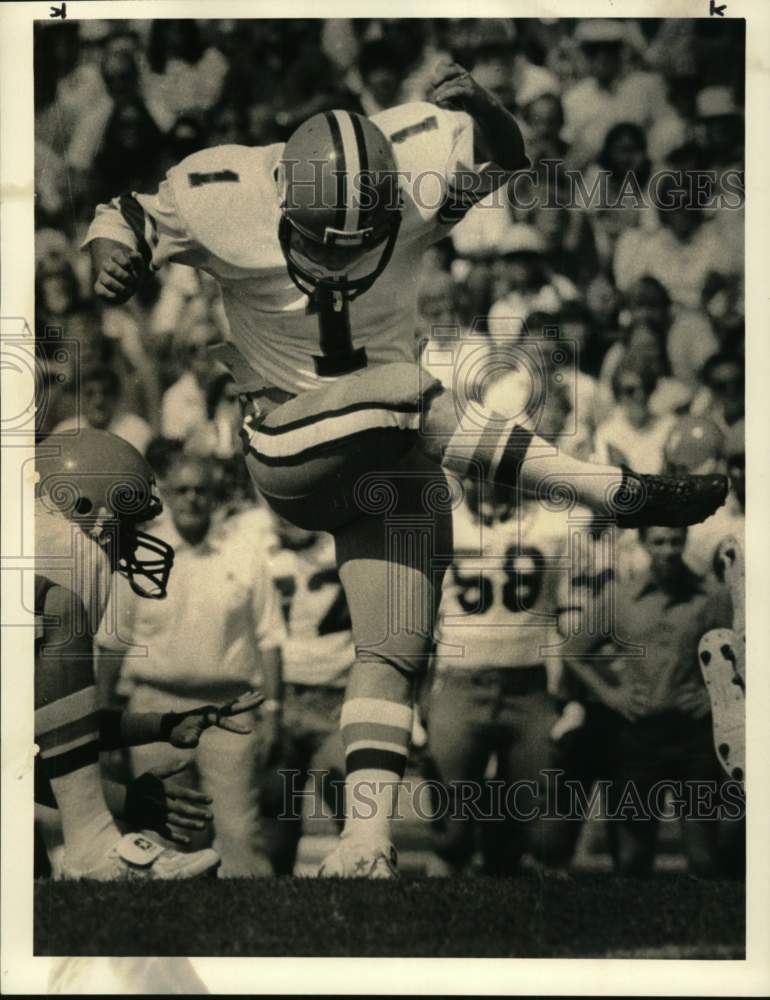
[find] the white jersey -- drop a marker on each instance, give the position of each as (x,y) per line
(319,647)
(68,557)
(501,594)
(218,210)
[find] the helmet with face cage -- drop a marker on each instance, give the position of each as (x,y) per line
(102,482)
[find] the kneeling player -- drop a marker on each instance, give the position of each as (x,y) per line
(93,491)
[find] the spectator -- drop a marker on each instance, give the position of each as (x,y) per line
(674,127)
(182,75)
(722,397)
(682,252)
(651,712)
(184,403)
(632,434)
(610,93)
(719,129)
(120,80)
(100,408)
(217,436)
(216,635)
(543,118)
(381,71)
(128,157)
(645,343)
(525,283)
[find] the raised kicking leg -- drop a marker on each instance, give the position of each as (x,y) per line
(475,440)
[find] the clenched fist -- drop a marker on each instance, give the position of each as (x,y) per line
(120,275)
(453,88)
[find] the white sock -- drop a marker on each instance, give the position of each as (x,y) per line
(370,797)
(87,824)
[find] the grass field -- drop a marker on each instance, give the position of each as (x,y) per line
(578,915)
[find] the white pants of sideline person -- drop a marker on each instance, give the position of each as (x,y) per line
(227,769)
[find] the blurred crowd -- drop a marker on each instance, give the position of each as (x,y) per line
(649,291)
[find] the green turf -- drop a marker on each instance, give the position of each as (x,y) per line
(533,916)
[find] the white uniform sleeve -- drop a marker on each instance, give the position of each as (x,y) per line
(269,628)
(150,224)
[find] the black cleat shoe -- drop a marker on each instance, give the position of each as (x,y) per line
(644,501)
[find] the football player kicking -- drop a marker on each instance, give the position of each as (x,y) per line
(93,490)
(317,246)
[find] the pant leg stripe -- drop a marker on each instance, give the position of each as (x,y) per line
(324,432)
(72,760)
(67,732)
(70,708)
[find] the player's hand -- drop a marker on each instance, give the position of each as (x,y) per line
(453,88)
(155,801)
(626,699)
(694,700)
(184,729)
(120,275)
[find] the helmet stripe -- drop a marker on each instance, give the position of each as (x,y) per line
(363,156)
(340,170)
(352,169)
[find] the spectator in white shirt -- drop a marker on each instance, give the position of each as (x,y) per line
(100,399)
(217,436)
(217,634)
(609,94)
(525,283)
(632,434)
(683,251)
(184,403)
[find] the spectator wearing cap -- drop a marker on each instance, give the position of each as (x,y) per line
(100,408)
(524,283)
(682,251)
(719,128)
(633,434)
(610,93)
